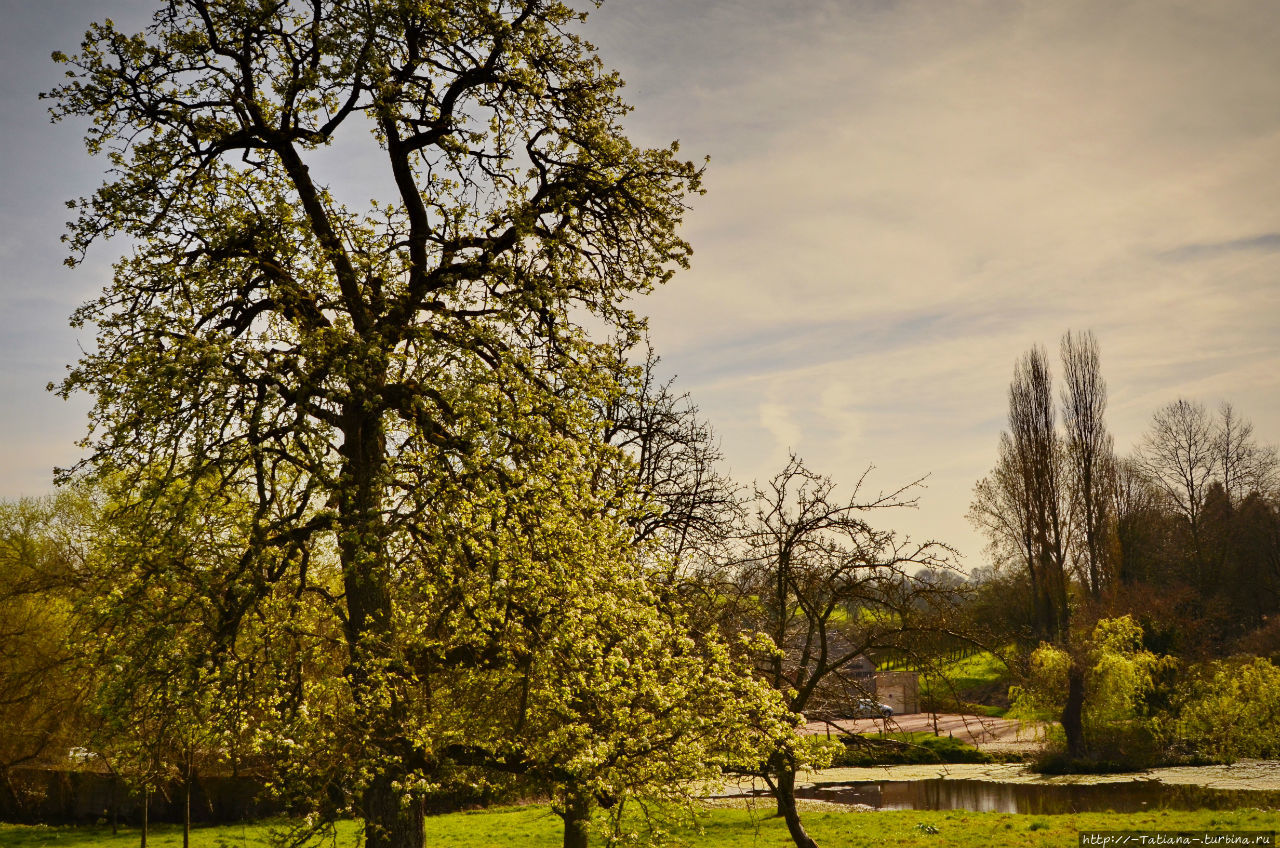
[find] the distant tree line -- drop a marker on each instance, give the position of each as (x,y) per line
(1183,533)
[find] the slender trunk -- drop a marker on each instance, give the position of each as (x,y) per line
(1038,617)
(1073,712)
(781,589)
(146,804)
(186,808)
(785,791)
(577,819)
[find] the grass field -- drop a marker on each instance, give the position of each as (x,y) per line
(973,682)
(727,827)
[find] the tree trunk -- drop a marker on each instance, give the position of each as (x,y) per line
(577,819)
(785,792)
(1073,712)
(387,822)
(362,548)
(186,808)
(146,804)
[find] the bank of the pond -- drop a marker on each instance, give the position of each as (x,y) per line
(1244,775)
(728,823)
(1013,788)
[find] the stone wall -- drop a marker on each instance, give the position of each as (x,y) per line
(900,690)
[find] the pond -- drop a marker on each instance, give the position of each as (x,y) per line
(1036,798)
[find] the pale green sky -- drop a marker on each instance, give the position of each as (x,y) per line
(903,197)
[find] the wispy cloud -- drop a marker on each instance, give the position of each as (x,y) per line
(1265,243)
(903,196)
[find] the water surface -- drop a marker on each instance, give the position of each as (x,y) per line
(1037,798)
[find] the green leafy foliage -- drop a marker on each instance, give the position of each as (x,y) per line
(41,687)
(1231,710)
(1119,674)
(361,507)
(1142,709)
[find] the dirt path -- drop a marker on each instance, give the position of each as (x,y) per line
(989,734)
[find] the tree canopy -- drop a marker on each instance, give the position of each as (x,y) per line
(383,421)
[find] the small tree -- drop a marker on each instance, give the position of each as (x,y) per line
(1244,466)
(1118,674)
(1178,455)
(1231,710)
(41,685)
(828,588)
(632,706)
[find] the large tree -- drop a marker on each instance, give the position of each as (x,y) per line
(372,383)
(1023,505)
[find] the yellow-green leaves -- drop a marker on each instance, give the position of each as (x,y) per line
(364,491)
(1231,711)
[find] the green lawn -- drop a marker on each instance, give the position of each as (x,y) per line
(731,827)
(972,679)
